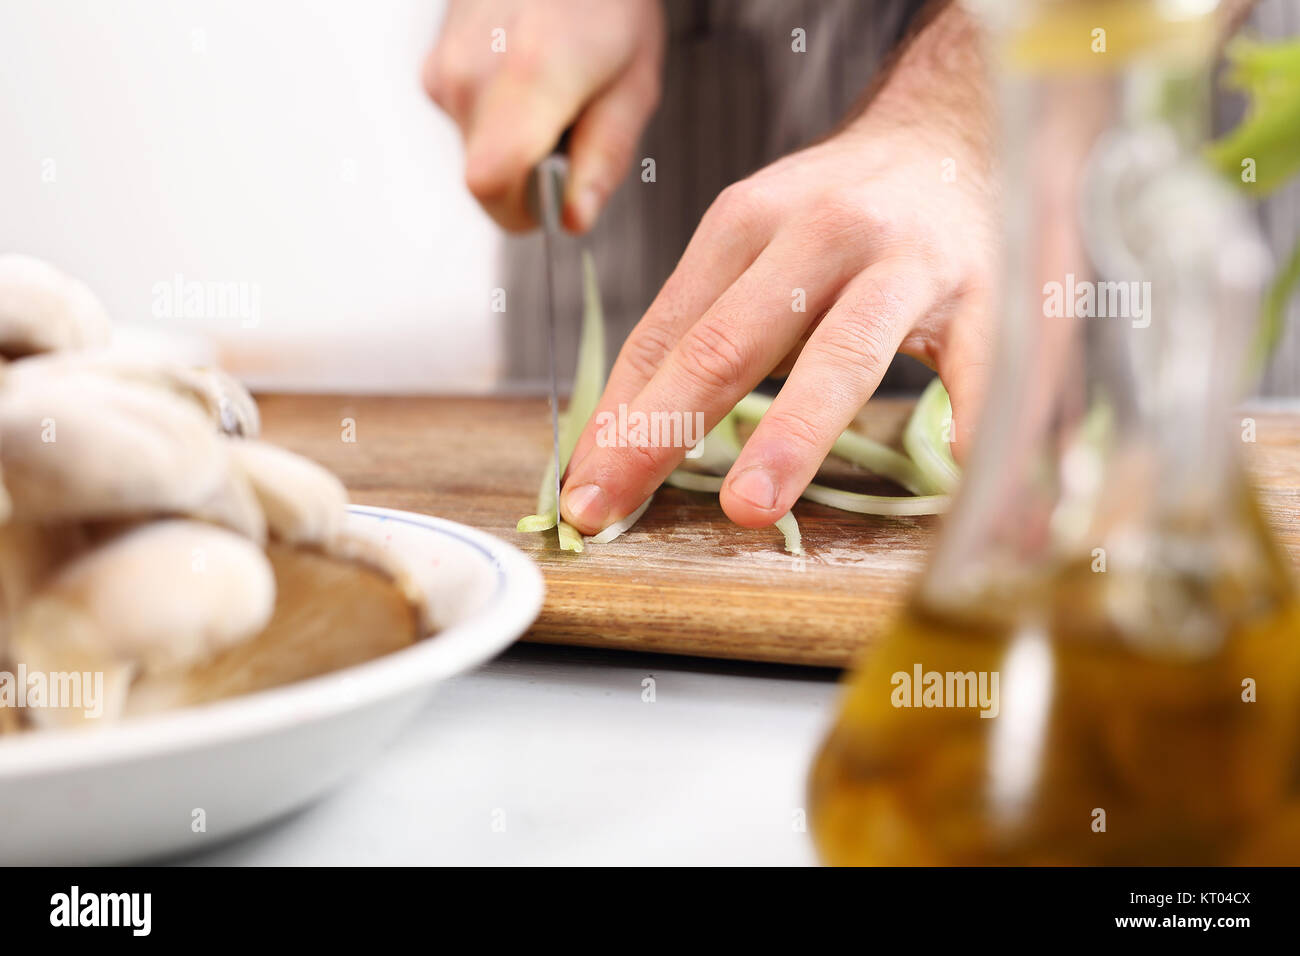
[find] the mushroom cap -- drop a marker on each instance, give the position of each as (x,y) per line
(43,309)
(93,447)
(219,395)
(159,597)
(304,503)
(329,614)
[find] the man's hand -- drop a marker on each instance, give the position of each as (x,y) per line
(514,75)
(884,231)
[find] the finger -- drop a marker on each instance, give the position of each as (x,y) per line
(964,369)
(730,237)
(605,138)
(835,374)
(461,60)
(517,120)
(715,364)
(783,368)
(451,84)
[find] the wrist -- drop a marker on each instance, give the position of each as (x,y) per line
(937,86)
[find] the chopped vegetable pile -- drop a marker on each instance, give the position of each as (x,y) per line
(927,469)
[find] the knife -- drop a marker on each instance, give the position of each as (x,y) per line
(547,187)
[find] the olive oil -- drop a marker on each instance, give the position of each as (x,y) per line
(1102,663)
(1103,748)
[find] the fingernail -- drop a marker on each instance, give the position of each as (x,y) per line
(587,506)
(755,486)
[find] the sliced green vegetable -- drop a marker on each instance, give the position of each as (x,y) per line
(789,527)
(1269,75)
(694,481)
(882,505)
(588,383)
(929,470)
(589,376)
(1267,140)
(926,439)
(570,539)
(859,449)
(618,527)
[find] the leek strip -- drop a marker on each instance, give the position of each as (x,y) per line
(926,441)
(540,522)
(588,383)
(719,449)
(1269,75)
(858,449)
(589,376)
(618,527)
(883,505)
(570,539)
(694,481)
(789,527)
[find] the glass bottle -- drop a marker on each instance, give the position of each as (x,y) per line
(1101,664)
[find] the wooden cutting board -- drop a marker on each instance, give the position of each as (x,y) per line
(685,580)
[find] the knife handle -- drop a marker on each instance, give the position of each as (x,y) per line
(554,168)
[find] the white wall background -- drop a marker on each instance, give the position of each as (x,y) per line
(285,144)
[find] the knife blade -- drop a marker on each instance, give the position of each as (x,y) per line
(550,178)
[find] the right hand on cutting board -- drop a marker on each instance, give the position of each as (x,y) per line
(514,75)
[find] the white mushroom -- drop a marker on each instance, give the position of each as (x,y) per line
(329,614)
(43,310)
(304,503)
(29,555)
(222,397)
(91,447)
(156,599)
(235,506)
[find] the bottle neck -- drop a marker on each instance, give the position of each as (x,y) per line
(1130,286)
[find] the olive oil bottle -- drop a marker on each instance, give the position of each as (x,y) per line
(1102,662)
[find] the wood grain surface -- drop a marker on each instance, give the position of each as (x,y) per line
(684,580)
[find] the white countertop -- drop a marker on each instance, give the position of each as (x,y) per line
(550,755)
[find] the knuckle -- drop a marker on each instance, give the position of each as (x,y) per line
(610,153)
(642,459)
(527,56)
(447,79)
(840,216)
(800,433)
(740,205)
(483,187)
(711,357)
(863,340)
(645,351)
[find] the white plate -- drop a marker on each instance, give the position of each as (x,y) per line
(136,789)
